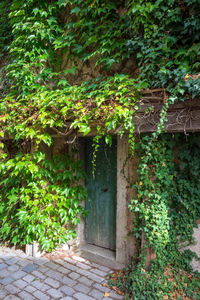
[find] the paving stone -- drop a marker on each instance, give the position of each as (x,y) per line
(67,298)
(63,270)
(12,261)
(67,290)
(38,274)
(13,268)
(70,266)
(52,265)
(20,283)
(96,278)
(82,288)
(40,295)
(12,297)
(30,289)
(101,287)
(3,293)
(4,273)
(6,280)
(68,281)
(12,289)
(83,266)
(56,294)
(52,282)
(19,274)
(99,272)
(28,278)
(54,274)
(30,268)
(81,296)
(85,280)
(37,284)
(114,295)
(2,266)
(70,260)
(26,296)
(41,261)
(78,258)
(44,287)
(23,262)
(105,269)
(74,275)
(96,294)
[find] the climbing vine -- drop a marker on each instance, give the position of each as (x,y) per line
(80,67)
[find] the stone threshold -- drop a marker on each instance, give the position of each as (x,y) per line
(100,255)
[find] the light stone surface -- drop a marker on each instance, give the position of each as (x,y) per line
(66,278)
(195,264)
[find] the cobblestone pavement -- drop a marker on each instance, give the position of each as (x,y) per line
(25,277)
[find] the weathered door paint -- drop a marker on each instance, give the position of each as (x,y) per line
(101,203)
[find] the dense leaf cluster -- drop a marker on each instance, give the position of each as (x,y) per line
(48,49)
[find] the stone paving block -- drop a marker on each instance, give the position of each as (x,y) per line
(85,280)
(30,289)
(19,274)
(70,260)
(6,280)
(37,284)
(68,281)
(54,274)
(96,278)
(56,294)
(78,258)
(28,278)
(26,296)
(30,268)
(101,287)
(83,266)
(41,296)
(99,272)
(2,266)
(52,265)
(12,297)
(82,288)
(114,295)
(81,296)
(85,272)
(59,261)
(13,268)
(3,293)
(4,273)
(52,282)
(23,262)
(70,266)
(12,289)
(67,298)
(40,261)
(6,257)
(43,269)
(63,270)
(20,283)
(12,261)
(74,275)
(38,274)
(105,269)
(67,290)
(96,294)
(44,287)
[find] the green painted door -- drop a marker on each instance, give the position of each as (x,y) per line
(101,203)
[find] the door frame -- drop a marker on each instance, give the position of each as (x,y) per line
(121,254)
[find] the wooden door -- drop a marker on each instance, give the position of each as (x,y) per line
(101,203)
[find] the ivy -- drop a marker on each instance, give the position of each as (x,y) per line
(48,49)
(40,199)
